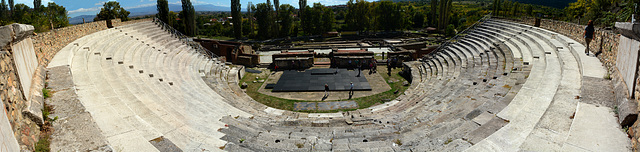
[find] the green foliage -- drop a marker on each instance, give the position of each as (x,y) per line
(317,20)
(358,17)
(264,18)
(188,15)
(4,13)
(286,20)
(57,15)
(237,18)
(37,4)
(112,10)
(163,10)
(46,93)
(450,30)
(389,16)
(43,144)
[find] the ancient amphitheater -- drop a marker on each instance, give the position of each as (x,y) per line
(500,86)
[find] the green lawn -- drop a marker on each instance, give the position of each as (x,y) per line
(363,102)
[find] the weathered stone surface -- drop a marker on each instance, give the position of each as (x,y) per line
(22,30)
(8,142)
(6,35)
(35,102)
(75,129)
(628,29)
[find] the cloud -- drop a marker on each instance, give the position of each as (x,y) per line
(82,10)
(139,6)
(30,2)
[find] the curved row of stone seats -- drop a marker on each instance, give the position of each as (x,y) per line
(139,87)
(554,131)
(427,110)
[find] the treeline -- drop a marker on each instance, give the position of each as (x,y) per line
(272,20)
(43,18)
(603,12)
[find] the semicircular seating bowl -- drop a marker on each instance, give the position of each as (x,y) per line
(500,81)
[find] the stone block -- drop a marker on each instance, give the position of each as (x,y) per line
(627,111)
(22,30)
(6,35)
(629,29)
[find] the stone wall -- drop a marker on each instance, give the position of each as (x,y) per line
(19,109)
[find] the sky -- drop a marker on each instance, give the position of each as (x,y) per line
(92,7)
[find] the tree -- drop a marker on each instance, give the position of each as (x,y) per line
(529,9)
(286,20)
(4,15)
(433,14)
(188,18)
(37,4)
(418,19)
(276,4)
(163,10)
(265,20)
(11,6)
(250,8)
(389,16)
(57,15)
(445,10)
(358,15)
(318,20)
(21,13)
(112,10)
(237,18)
(302,4)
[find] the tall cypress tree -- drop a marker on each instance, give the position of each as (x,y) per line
(237,18)
(434,8)
(37,4)
(250,17)
(11,6)
(4,13)
(302,4)
(189,14)
(163,10)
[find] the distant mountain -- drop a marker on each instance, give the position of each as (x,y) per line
(176,8)
(152,10)
(78,19)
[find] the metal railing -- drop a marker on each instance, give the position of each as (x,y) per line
(185,39)
(456,37)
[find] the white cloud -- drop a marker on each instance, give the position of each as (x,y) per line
(82,10)
(139,6)
(30,2)
(176,2)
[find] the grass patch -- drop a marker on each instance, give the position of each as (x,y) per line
(398,142)
(46,93)
(363,102)
(47,129)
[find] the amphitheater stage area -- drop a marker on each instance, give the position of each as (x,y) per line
(315,79)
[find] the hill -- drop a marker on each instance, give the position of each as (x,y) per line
(551,3)
(152,10)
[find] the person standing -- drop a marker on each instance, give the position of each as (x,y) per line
(588,35)
(326,90)
(351,89)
